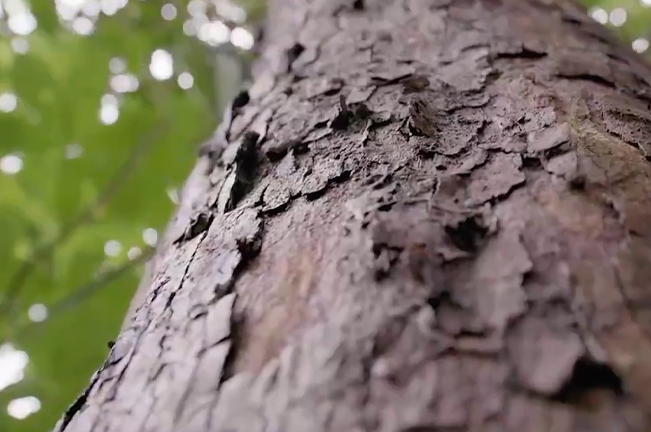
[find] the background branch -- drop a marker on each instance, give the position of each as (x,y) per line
(20,276)
(86,290)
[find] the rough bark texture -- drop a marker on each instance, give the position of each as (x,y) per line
(432,215)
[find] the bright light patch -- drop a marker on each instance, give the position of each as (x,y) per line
(109,99)
(91,8)
(37,312)
(112,248)
(23,407)
(197,7)
(19,45)
(230,11)
(150,236)
(110,7)
(22,23)
(241,38)
(161,65)
(12,365)
(124,83)
(11,164)
(73,4)
(109,111)
(134,252)
(73,151)
(83,26)
(189,28)
(8,102)
(618,17)
(599,14)
(109,114)
(640,44)
(185,80)
(214,32)
(117,65)
(168,12)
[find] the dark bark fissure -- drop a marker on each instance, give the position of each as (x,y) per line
(423,215)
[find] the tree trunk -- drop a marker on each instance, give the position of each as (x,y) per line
(432,215)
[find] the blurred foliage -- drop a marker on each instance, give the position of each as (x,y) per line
(98,130)
(629,19)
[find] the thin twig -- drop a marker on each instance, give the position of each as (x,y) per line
(86,290)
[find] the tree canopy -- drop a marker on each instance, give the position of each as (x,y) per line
(103,104)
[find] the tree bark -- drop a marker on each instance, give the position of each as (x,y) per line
(431,215)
